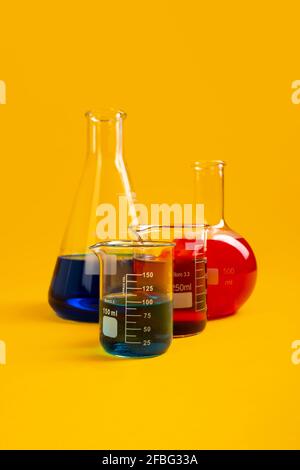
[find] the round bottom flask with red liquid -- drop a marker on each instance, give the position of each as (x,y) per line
(231,263)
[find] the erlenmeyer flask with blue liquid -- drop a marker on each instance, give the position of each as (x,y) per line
(104,188)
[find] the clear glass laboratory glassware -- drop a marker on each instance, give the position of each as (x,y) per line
(135,297)
(189,273)
(104,185)
(231,264)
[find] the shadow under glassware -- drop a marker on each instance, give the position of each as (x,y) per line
(189,273)
(135,297)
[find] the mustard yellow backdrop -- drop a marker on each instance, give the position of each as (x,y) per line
(198,80)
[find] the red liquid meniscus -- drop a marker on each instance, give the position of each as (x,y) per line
(231,273)
(189,288)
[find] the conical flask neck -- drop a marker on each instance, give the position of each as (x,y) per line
(112,185)
(105,134)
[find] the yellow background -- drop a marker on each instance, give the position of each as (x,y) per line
(198,80)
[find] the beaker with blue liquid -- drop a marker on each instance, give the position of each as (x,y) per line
(136,293)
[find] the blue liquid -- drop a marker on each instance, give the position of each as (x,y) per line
(148,331)
(74,290)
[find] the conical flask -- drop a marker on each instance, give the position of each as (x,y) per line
(231,263)
(103,208)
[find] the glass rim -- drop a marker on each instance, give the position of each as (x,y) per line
(202,164)
(108,114)
(131,244)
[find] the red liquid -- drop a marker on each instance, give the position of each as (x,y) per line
(189,285)
(231,269)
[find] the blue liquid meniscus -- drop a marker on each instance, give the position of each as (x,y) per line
(74,290)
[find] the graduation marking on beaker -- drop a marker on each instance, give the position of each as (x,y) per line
(200,288)
(127,335)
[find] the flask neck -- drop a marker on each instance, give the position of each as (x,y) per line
(105,135)
(105,151)
(209,190)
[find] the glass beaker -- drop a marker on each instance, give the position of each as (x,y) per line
(189,273)
(135,297)
(102,209)
(231,264)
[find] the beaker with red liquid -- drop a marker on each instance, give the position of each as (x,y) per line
(231,263)
(189,274)
(189,287)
